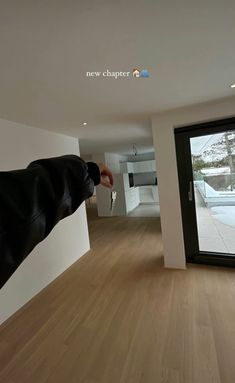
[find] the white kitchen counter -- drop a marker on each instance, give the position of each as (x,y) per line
(149,194)
(139,194)
(132,198)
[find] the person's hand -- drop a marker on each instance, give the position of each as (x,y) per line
(106,177)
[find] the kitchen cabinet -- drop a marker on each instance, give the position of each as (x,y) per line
(126,183)
(123,167)
(132,198)
(142,167)
(153,166)
(126,167)
(138,167)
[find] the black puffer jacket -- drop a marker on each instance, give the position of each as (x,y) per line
(34,199)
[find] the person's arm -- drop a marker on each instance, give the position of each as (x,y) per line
(34,199)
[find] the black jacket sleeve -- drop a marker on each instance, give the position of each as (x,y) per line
(34,199)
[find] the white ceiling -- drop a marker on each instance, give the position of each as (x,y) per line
(47,47)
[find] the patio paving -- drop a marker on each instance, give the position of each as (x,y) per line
(215,227)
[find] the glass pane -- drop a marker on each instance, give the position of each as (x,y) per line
(213,159)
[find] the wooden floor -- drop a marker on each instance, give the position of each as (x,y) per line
(117,316)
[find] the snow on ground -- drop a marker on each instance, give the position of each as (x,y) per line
(224,214)
(216,171)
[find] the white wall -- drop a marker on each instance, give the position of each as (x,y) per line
(112,160)
(163,125)
(69,240)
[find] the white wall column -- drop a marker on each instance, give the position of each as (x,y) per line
(69,240)
(163,125)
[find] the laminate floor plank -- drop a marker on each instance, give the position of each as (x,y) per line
(118,316)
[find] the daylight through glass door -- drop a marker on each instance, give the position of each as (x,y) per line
(213,162)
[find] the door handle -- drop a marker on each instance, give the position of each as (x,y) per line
(190,192)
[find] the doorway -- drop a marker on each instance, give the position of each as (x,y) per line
(206,171)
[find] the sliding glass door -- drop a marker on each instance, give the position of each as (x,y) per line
(206,169)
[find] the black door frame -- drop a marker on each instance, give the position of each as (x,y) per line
(187,197)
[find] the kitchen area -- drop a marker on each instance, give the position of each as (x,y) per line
(135,191)
(141,190)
